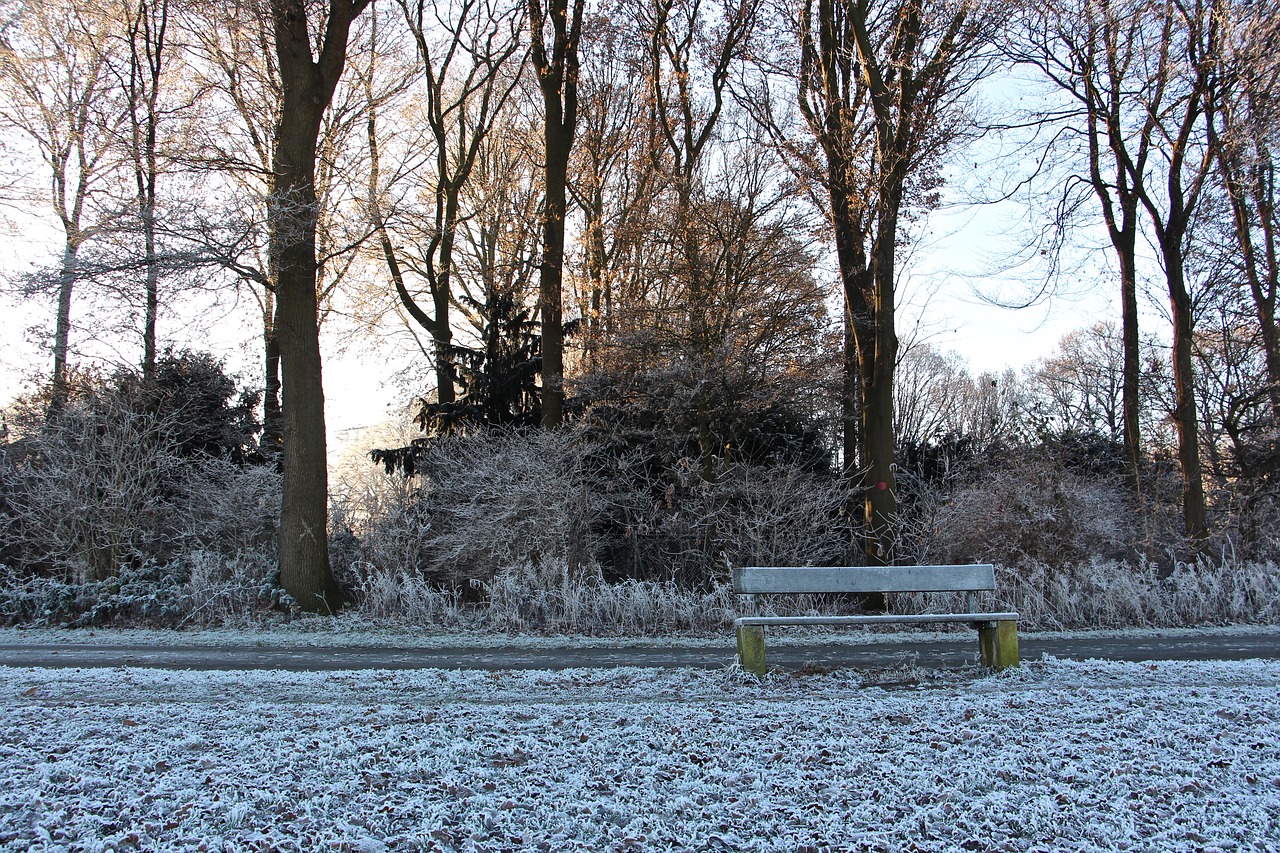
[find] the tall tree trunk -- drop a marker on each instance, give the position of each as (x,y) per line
(1184,413)
(879,357)
(147,30)
(1131,371)
(304,553)
(551,272)
(272,429)
(62,327)
(307,88)
(557,72)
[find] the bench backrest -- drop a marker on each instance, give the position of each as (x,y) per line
(752,580)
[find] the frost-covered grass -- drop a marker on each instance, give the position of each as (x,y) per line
(1055,756)
(352,631)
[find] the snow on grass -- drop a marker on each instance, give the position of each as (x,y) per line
(345,632)
(1056,755)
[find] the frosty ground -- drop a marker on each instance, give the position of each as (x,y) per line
(1057,755)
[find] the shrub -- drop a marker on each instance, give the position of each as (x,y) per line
(200,589)
(1028,508)
(130,474)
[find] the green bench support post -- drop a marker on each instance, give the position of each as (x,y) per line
(751,649)
(998,644)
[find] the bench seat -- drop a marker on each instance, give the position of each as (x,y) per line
(997,631)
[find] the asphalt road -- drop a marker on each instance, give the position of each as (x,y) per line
(950,653)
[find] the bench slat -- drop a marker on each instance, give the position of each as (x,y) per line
(756,580)
(875,620)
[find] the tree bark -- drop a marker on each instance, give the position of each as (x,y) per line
(1131,372)
(62,327)
(308,85)
(1184,413)
(272,428)
(557,72)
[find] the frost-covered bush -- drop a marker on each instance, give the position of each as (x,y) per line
(1027,509)
(554,531)
(149,594)
(680,526)
(199,589)
(783,516)
(547,598)
(1121,594)
(129,474)
(495,499)
(235,588)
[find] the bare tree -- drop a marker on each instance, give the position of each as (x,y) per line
(693,48)
(1095,54)
(468,77)
(612,177)
(1079,388)
(1180,94)
(148,27)
(555,32)
(1245,130)
(308,80)
(881,89)
(56,77)
(1139,78)
(234,68)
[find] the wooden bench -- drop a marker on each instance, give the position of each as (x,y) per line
(997,632)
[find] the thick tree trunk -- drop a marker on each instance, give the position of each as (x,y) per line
(304,553)
(307,88)
(1184,413)
(551,274)
(879,360)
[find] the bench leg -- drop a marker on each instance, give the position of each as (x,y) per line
(998,644)
(751,649)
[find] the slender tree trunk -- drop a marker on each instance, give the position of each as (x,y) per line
(551,273)
(62,327)
(597,258)
(1131,401)
(152,309)
(272,428)
(1260,273)
(1184,414)
(557,72)
(147,31)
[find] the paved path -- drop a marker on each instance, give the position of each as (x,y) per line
(950,653)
